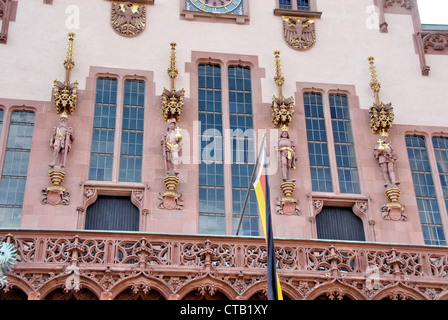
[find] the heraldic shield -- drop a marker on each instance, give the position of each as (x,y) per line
(128,19)
(299,33)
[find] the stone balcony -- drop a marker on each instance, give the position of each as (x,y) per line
(121,265)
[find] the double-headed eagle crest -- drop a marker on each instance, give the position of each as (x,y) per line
(299,33)
(128,19)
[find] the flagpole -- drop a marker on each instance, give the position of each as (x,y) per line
(250,184)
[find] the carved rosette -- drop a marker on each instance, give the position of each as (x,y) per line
(128,19)
(299,33)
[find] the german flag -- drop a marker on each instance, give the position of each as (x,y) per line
(261,187)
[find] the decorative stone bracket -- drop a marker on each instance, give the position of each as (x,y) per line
(430,42)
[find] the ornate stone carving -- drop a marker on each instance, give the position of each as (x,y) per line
(172,100)
(172,103)
(171,141)
(402,3)
(286,155)
(128,19)
(65,93)
(381,119)
(172,147)
(299,33)
(282,111)
(61,142)
(435,41)
(65,100)
(176,264)
(55,195)
(386,156)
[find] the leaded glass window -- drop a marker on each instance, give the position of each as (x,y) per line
(339,141)
(15,168)
(441,151)
(212,189)
(129,132)
(303,5)
(102,149)
(211,169)
(424,188)
(242,143)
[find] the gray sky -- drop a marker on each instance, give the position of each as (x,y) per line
(433,11)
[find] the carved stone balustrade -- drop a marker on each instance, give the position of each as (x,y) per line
(177,266)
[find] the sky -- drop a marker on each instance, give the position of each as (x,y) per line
(433,11)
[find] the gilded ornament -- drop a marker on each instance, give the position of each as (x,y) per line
(172,100)
(65,93)
(128,19)
(381,119)
(282,108)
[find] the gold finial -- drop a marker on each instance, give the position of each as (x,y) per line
(374,83)
(69,63)
(285,128)
(172,69)
(65,93)
(278,78)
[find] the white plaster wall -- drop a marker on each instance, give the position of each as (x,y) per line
(37,41)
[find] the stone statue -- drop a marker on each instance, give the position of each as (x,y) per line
(286,154)
(172,146)
(386,159)
(61,142)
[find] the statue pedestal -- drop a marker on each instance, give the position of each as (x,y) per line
(170,200)
(56,194)
(287,205)
(393,210)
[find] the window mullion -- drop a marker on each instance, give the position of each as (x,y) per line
(437,185)
(227,151)
(331,144)
(118,127)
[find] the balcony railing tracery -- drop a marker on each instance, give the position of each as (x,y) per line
(175,265)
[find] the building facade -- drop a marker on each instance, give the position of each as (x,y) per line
(126,177)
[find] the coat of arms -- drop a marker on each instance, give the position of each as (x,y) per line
(128,19)
(299,33)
